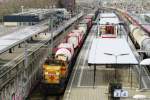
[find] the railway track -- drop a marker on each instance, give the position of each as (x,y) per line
(37,95)
(47,98)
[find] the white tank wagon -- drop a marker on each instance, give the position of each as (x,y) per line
(64,52)
(141,38)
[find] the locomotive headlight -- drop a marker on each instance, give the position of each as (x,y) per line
(57,73)
(46,73)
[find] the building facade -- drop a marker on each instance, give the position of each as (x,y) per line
(68,4)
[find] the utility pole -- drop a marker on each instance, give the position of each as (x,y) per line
(22,9)
(26,54)
(51,40)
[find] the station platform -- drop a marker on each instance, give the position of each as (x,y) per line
(80,86)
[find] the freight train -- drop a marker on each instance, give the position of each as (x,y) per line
(57,69)
(138,33)
(140,38)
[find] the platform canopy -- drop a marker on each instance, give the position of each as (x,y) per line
(110,18)
(111,51)
(108,15)
(13,39)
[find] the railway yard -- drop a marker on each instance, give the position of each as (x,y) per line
(95,53)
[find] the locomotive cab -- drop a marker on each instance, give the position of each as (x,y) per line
(54,71)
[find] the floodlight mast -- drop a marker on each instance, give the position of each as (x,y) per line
(116,55)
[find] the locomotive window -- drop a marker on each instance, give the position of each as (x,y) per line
(53,62)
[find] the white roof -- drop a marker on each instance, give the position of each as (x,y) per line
(145,62)
(108,15)
(139,97)
(102,48)
(10,40)
(109,20)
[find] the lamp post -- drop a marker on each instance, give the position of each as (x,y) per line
(50,31)
(22,9)
(98,30)
(98,26)
(120,26)
(116,55)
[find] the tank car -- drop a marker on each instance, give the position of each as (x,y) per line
(140,38)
